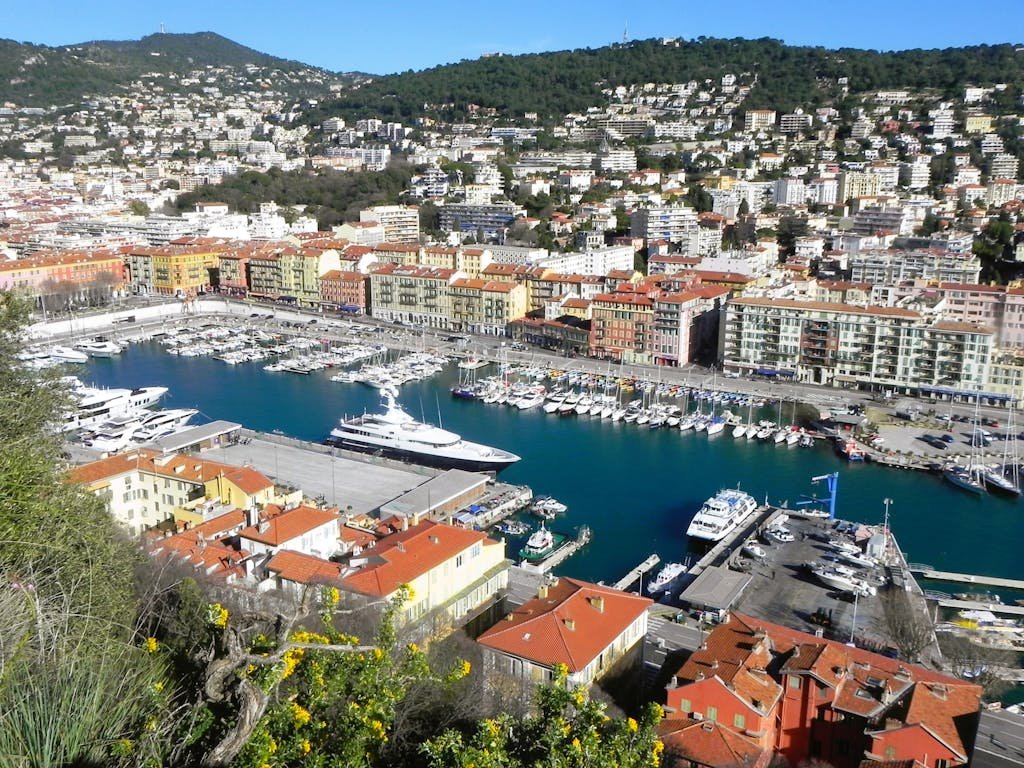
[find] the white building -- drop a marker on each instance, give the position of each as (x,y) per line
(401,223)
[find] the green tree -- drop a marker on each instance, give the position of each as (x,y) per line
(568,729)
(138,208)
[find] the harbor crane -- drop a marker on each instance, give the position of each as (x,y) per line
(833,487)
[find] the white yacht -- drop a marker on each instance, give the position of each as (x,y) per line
(395,433)
(99,348)
(156,424)
(59,354)
(844,579)
(721,514)
(530,401)
(93,406)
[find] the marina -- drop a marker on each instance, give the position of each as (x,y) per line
(598,467)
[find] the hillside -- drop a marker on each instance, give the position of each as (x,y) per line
(554,83)
(39,75)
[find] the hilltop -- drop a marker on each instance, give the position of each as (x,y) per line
(40,75)
(554,83)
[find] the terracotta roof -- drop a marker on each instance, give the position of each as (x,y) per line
(304,569)
(406,555)
(281,526)
(828,306)
(181,466)
(709,744)
(572,625)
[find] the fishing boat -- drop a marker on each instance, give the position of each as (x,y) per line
(669,573)
(541,544)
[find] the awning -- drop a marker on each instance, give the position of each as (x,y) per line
(968,393)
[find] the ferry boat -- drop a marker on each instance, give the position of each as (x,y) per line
(721,514)
(669,573)
(395,433)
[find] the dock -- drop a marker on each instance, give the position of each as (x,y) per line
(636,573)
(976,605)
(928,572)
(723,550)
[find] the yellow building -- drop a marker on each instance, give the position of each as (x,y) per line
(300,271)
(486,306)
(978,123)
(175,271)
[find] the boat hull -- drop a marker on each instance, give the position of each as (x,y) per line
(428,460)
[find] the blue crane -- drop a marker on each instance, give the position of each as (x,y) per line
(833,487)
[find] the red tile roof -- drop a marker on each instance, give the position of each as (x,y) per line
(406,555)
(709,744)
(571,625)
(304,569)
(281,526)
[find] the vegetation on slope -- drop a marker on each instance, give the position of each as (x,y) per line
(554,83)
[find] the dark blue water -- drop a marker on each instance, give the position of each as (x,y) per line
(636,488)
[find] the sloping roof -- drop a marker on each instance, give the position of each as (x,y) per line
(406,555)
(281,526)
(709,744)
(571,625)
(304,569)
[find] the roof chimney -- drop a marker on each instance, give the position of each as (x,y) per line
(405,523)
(570,623)
(597,602)
(264,526)
(400,546)
(542,591)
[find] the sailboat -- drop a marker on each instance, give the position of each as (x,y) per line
(1004,478)
(970,477)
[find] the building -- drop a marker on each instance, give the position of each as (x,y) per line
(416,295)
(854,184)
(172,270)
(872,265)
(868,347)
(686,325)
(758,120)
(677,224)
(59,279)
(362,232)
(302,528)
(401,223)
(449,572)
(622,327)
(486,306)
(144,488)
(760,689)
(344,291)
(591,261)
(487,219)
(590,629)
(795,122)
(300,271)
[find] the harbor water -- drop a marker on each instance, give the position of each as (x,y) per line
(635,487)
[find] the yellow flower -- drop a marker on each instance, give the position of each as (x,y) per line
(300,714)
(152,646)
(218,615)
(272,747)
(492,727)
(305,746)
(413,648)
(565,729)
(378,654)
(578,698)
(632,724)
(659,747)
(158,686)
(576,745)
(291,659)
(466,668)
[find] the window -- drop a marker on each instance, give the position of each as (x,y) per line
(712,714)
(739,722)
(459,561)
(475,551)
(686,705)
(794,682)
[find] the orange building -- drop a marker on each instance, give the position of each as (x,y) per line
(759,688)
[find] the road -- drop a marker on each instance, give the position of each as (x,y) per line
(1000,742)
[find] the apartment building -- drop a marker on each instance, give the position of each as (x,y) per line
(591,261)
(401,223)
(677,224)
(486,306)
(488,219)
(686,325)
(622,327)
(758,120)
(795,122)
(300,270)
(73,275)
(412,294)
(471,261)
(853,184)
(872,265)
(172,270)
(344,291)
(868,347)
(144,488)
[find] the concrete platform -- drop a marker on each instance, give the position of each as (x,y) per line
(362,483)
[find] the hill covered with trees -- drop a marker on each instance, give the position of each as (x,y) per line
(40,75)
(555,83)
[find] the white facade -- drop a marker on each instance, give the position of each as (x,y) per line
(599,261)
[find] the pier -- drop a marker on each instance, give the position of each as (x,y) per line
(724,549)
(928,572)
(636,573)
(975,605)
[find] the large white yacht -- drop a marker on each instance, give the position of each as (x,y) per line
(93,406)
(396,433)
(721,514)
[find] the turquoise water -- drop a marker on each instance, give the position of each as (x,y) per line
(636,488)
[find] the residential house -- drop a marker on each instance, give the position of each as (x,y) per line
(589,628)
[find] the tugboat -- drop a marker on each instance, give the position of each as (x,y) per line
(541,544)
